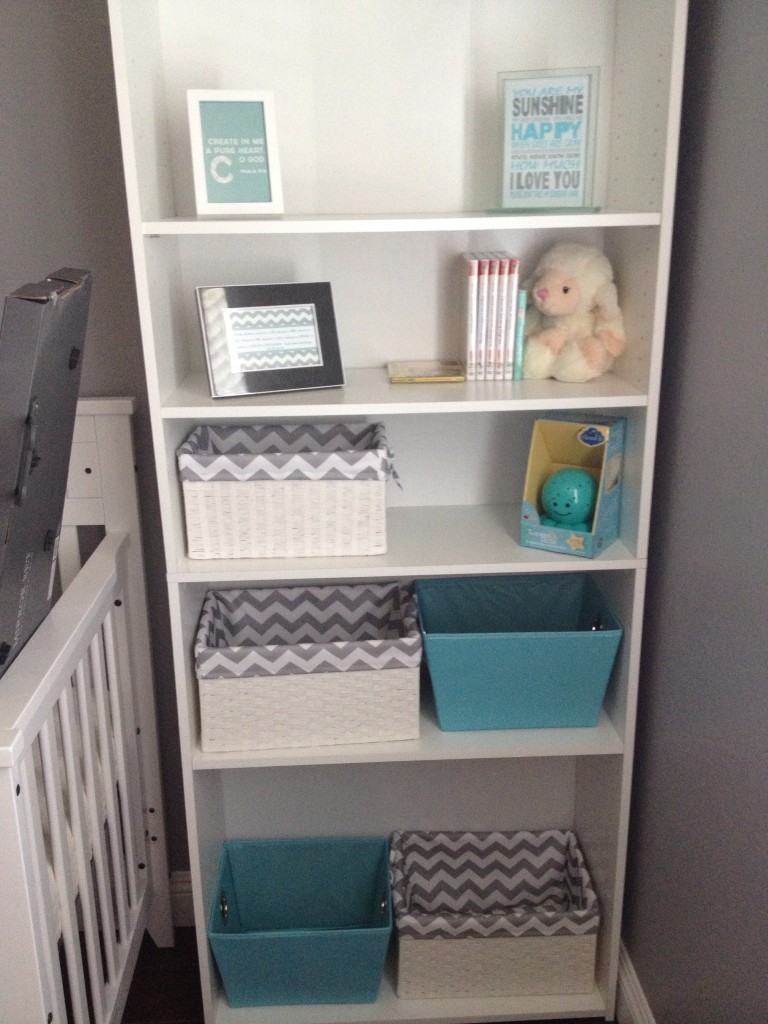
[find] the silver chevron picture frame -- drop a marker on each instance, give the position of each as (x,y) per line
(264,338)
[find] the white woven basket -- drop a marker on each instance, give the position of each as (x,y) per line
(457,968)
(309,710)
(291,518)
(306,666)
(285,490)
(483,914)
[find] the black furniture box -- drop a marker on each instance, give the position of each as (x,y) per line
(42,335)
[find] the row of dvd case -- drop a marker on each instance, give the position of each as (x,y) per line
(495,316)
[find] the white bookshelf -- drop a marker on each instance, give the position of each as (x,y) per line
(389,145)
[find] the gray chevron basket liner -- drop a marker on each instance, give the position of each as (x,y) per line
(299,666)
(516,913)
(285,490)
(328,451)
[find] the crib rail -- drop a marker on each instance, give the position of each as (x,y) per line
(73,874)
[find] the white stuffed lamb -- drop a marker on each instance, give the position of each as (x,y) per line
(574,328)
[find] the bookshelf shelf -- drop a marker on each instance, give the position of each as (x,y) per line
(434,745)
(388,1008)
(450,540)
(368,392)
(398,223)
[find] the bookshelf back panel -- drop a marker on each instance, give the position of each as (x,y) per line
(421,85)
(466,460)
(326,800)
(399,295)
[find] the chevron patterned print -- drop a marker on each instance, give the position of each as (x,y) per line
(302,357)
(278,452)
(292,328)
(491,884)
(292,630)
(212,304)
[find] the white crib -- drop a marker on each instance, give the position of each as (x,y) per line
(83,862)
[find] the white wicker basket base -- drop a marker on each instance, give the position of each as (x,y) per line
(532,965)
(289,518)
(260,712)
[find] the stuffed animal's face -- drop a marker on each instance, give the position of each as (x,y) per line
(556,293)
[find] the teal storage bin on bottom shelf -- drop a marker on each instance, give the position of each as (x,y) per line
(517,652)
(299,921)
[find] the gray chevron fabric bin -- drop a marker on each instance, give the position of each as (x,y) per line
(492,914)
(285,491)
(306,666)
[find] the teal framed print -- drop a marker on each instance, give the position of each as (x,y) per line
(550,126)
(235,159)
(261,338)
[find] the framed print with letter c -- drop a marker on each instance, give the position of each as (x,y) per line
(235,159)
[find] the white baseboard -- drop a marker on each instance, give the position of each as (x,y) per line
(182,910)
(631,1005)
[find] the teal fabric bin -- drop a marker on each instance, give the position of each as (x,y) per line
(517,652)
(298,921)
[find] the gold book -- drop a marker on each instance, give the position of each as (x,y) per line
(425,371)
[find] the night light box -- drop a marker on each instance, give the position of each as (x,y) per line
(596,448)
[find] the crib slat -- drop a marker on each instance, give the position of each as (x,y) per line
(82,851)
(69,559)
(63,872)
(107,762)
(95,803)
(122,734)
(40,891)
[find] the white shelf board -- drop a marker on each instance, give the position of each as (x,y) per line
(432,745)
(369,392)
(447,1011)
(399,222)
(450,540)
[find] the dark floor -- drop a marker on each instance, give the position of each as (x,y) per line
(166,986)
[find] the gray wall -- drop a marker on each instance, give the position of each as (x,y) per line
(697,911)
(62,203)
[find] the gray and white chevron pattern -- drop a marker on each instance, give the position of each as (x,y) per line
(290,630)
(491,884)
(279,452)
(293,329)
(212,304)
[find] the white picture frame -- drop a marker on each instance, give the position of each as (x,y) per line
(549,135)
(235,157)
